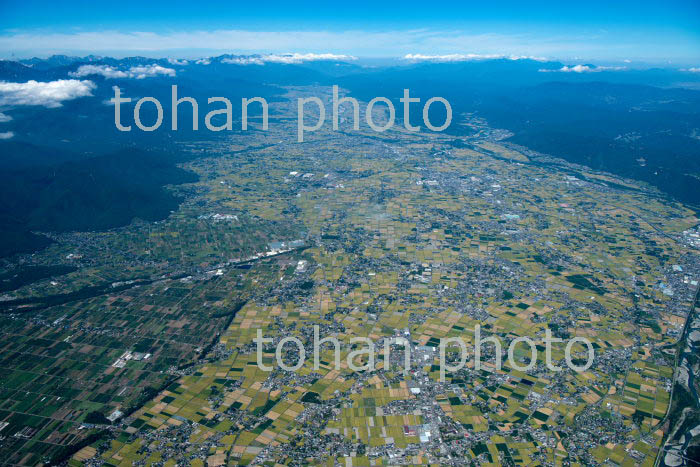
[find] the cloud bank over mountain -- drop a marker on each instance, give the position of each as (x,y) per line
(137,72)
(47,94)
(467,57)
(288,58)
(583,69)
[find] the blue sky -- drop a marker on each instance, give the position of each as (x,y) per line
(611,31)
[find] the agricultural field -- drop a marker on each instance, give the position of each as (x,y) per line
(400,235)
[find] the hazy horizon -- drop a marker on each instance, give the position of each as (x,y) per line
(626,31)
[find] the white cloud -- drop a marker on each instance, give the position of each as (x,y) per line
(285,58)
(104,70)
(468,57)
(583,69)
(175,61)
(4,118)
(691,70)
(310,57)
(6,135)
(575,69)
(203,61)
(48,94)
(528,57)
(138,72)
(252,60)
(450,57)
